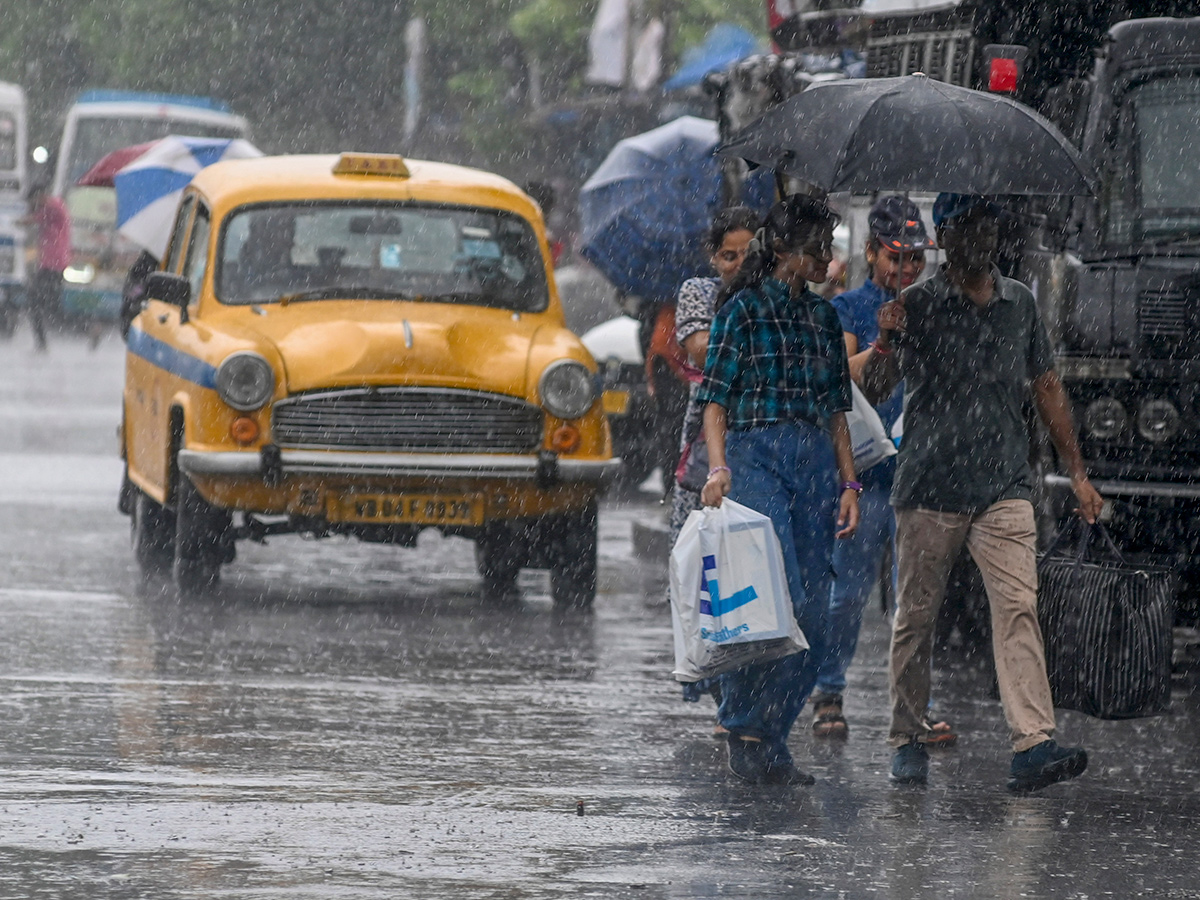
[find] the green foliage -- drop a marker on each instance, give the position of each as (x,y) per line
(315,75)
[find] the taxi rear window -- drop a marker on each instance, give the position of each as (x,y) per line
(336,251)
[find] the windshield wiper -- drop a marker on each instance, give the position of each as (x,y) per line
(348,292)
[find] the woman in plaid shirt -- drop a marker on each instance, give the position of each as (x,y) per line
(777,387)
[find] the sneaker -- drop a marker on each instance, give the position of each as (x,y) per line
(1045,764)
(910,764)
(748,759)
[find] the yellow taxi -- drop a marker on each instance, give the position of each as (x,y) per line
(361,345)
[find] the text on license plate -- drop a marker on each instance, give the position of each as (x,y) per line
(419,509)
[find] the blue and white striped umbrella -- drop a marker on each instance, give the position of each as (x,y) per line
(149,188)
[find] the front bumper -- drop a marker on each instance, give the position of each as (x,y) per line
(1116,488)
(271,463)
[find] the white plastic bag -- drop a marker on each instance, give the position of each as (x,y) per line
(730,604)
(868,438)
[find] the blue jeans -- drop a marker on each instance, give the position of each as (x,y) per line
(786,472)
(856,570)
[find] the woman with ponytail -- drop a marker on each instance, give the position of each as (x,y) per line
(776,388)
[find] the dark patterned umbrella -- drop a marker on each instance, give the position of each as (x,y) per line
(912,134)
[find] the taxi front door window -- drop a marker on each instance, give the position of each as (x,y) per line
(179,232)
(197,255)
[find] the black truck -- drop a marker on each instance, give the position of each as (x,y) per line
(1117,275)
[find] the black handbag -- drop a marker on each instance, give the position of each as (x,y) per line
(1106,624)
(692,471)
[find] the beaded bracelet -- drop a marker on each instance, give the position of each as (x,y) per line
(715,469)
(882,351)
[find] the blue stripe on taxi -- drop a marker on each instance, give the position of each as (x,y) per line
(172,360)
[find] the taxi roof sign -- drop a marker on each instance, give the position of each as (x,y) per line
(388,164)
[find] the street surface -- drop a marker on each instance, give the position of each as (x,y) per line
(350,720)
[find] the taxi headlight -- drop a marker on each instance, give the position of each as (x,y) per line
(1105,418)
(1158,421)
(245,381)
(567,389)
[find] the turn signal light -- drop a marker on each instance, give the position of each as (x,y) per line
(565,439)
(244,430)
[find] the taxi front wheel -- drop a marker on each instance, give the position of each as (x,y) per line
(500,552)
(152,534)
(201,534)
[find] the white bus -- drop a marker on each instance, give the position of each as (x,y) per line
(12,202)
(98,123)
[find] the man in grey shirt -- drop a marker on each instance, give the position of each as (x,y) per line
(971,348)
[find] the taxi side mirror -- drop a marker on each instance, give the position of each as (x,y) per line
(172,289)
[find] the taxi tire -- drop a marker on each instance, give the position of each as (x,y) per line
(200,533)
(499,555)
(152,533)
(573,560)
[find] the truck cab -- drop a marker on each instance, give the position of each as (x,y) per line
(1128,305)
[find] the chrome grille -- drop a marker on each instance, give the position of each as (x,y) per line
(1162,314)
(418,420)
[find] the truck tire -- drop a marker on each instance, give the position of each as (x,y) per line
(201,532)
(152,534)
(500,553)
(573,560)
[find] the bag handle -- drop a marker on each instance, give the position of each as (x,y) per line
(1084,535)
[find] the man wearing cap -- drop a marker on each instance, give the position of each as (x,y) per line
(895,254)
(971,349)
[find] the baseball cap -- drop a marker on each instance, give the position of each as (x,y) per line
(896,223)
(951,206)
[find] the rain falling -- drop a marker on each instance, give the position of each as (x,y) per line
(619,448)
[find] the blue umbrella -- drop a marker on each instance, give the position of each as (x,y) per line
(725,45)
(646,209)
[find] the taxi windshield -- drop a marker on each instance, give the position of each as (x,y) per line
(337,251)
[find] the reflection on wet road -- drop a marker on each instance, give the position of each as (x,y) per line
(349,720)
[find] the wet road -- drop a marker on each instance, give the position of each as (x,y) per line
(349,720)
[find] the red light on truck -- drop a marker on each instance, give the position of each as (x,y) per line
(1002,76)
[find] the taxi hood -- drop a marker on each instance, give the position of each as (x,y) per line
(333,344)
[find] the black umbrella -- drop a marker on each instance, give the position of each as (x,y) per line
(912,134)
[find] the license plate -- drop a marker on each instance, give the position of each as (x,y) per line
(616,403)
(413,509)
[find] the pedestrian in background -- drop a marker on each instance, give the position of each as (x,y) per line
(49,216)
(726,242)
(776,388)
(895,252)
(971,347)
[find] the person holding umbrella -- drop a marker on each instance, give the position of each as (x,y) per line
(971,347)
(895,253)
(777,387)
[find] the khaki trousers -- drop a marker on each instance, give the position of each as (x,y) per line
(1002,540)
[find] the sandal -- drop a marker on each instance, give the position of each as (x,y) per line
(828,720)
(940,735)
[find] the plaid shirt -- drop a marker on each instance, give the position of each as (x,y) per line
(776,358)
